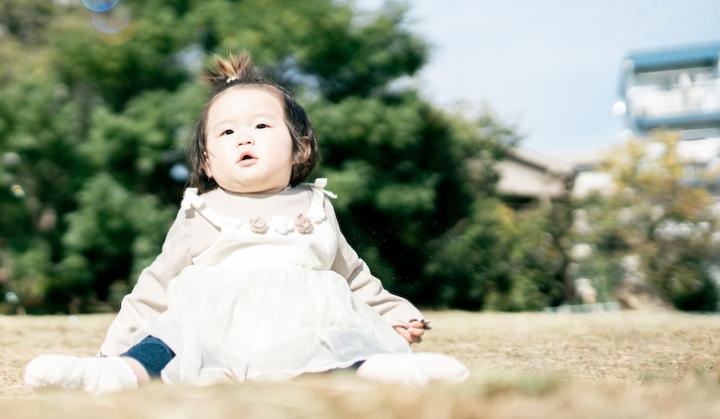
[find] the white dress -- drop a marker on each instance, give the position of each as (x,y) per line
(263,303)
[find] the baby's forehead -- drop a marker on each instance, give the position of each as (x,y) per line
(245,101)
(259,94)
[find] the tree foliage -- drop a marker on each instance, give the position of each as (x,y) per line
(93,124)
(658,228)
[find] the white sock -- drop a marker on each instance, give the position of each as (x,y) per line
(93,375)
(414,368)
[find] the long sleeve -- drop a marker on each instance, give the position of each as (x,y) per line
(149,296)
(396,310)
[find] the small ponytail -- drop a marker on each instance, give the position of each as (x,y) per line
(235,69)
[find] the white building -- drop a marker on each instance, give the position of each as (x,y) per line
(677,89)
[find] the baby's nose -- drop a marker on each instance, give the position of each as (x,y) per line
(244,139)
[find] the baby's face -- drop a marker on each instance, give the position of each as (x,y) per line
(249,149)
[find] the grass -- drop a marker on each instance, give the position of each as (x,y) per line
(602,365)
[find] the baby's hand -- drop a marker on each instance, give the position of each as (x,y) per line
(414,332)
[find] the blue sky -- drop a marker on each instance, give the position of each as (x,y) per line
(550,68)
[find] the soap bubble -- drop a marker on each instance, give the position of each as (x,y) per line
(112,22)
(99,5)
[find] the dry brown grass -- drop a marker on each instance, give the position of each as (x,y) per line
(618,365)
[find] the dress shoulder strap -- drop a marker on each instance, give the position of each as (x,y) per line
(192,201)
(317,202)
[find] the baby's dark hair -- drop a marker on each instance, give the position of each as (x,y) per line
(239,71)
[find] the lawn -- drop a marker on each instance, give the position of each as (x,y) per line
(601,365)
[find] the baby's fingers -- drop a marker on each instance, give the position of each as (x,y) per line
(402,331)
(416,332)
(420,324)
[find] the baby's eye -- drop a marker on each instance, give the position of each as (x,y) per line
(262,126)
(227,132)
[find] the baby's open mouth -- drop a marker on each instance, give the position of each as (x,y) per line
(246,156)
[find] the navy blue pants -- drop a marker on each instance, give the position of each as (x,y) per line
(153,354)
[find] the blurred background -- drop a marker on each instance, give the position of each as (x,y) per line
(502,157)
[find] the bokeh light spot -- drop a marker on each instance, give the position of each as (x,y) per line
(11,158)
(17,191)
(179,172)
(11,297)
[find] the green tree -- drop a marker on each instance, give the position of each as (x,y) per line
(498,258)
(105,117)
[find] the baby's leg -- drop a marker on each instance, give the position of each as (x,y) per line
(91,374)
(413,368)
(101,375)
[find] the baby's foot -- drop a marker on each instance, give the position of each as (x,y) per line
(93,375)
(414,368)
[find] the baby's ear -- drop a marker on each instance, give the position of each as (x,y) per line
(304,150)
(206,166)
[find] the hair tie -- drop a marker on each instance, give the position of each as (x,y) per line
(229,79)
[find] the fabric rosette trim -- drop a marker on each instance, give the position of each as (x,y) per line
(317,214)
(303,225)
(282,224)
(258,225)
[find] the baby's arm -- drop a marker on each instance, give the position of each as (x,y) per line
(148,298)
(399,312)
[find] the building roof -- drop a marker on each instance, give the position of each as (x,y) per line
(525,173)
(528,174)
(539,161)
(676,57)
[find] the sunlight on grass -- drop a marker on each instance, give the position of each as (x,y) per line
(629,365)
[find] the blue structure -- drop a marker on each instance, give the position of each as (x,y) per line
(677,89)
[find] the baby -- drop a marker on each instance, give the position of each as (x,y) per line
(255,279)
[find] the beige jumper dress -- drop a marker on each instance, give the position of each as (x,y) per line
(263,303)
